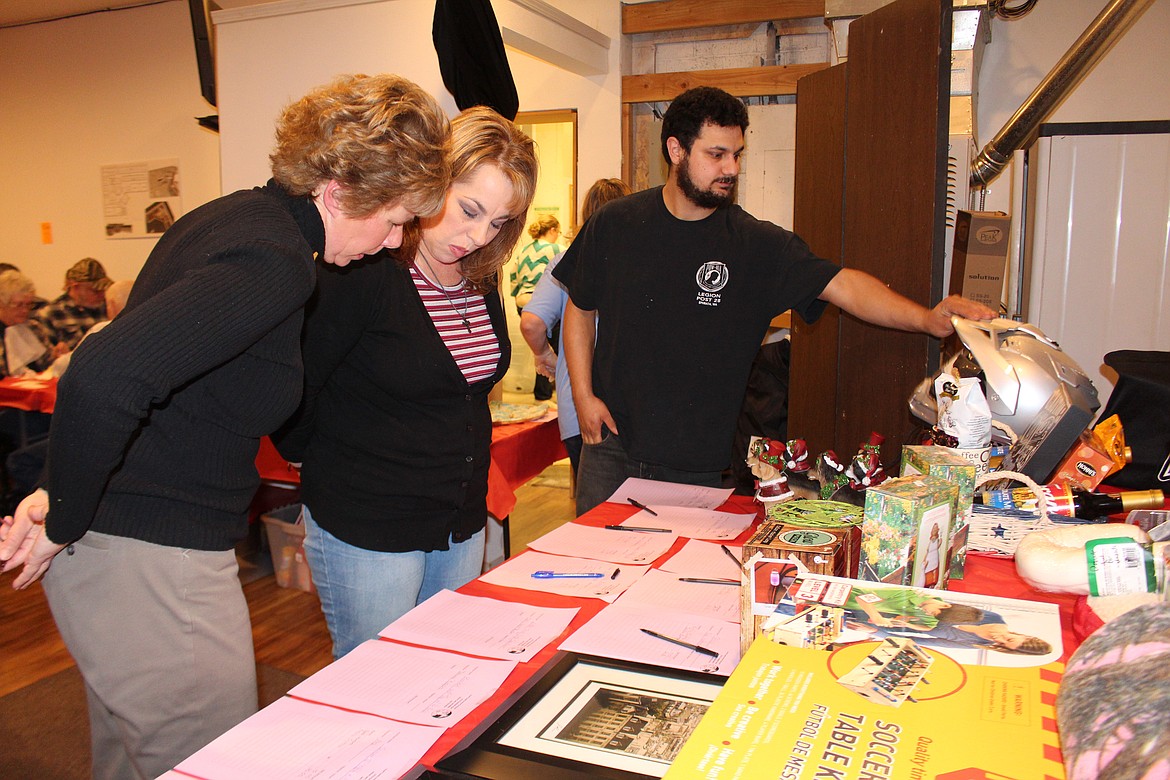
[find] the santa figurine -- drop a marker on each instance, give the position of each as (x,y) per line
(766,458)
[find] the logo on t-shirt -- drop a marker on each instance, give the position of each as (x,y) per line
(711,278)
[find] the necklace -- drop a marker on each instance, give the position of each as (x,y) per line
(462,313)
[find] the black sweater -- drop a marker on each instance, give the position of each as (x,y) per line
(159,417)
(394,440)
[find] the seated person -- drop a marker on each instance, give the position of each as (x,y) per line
(116,296)
(26,463)
(23,348)
(66,319)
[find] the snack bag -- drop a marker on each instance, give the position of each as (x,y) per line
(963,411)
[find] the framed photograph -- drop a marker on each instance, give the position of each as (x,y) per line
(588,717)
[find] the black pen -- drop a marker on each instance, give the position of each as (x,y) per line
(616,572)
(708,581)
(731,555)
(688,645)
(638,528)
(642,506)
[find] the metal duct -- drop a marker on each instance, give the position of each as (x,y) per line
(1094,42)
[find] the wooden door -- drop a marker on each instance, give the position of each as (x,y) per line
(892,221)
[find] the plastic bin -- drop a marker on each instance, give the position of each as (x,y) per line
(286,541)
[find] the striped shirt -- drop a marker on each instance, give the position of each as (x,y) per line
(461,317)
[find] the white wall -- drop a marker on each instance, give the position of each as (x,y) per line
(85,92)
(1131,82)
(267,60)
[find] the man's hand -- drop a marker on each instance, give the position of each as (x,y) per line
(938,321)
(592,413)
(23,540)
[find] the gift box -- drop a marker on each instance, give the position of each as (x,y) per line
(943,462)
(903,535)
(774,556)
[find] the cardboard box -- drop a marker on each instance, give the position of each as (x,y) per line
(980,256)
(821,514)
(286,542)
(945,463)
(774,556)
(903,535)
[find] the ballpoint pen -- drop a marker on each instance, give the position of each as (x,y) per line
(688,645)
(731,555)
(616,572)
(549,575)
(642,506)
(709,581)
(639,528)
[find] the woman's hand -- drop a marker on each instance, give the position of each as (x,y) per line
(23,540)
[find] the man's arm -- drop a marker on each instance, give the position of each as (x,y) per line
(867,298)
(580,331)
(535,334)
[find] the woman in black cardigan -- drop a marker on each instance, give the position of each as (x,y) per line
(158,420)
(394,430)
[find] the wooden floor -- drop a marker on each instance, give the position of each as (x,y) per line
(287,625)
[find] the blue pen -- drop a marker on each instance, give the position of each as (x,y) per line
(548,575)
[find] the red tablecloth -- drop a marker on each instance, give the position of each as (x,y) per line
(519,452)
(30,395)
(987,575)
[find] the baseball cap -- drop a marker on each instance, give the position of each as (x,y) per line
(89,270)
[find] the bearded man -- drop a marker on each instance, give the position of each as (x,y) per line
(684,283)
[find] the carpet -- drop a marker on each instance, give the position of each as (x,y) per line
(45,727)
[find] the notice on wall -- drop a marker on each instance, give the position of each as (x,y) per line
(141,199)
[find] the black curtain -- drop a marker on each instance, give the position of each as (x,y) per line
(471,56)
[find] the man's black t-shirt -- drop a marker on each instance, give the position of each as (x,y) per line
(682,308)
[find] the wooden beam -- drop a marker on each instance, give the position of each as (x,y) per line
(741,82)
(688,14)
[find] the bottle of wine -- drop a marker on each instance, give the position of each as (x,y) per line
(1073,503)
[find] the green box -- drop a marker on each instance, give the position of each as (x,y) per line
(904,533)
(946,463)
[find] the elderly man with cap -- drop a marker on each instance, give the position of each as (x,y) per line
(66,319)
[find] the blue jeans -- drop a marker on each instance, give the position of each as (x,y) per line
(363,591)
(605,466)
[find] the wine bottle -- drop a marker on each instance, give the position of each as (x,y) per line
(1063,500)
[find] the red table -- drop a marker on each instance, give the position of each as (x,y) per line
(519,451)
(987,575)
(27,394)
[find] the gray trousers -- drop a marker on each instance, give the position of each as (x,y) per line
(162,637)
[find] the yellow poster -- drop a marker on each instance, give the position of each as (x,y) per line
(784,713)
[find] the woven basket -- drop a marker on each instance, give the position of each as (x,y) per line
(995,531)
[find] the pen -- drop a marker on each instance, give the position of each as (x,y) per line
(548,575)
(707,581)
(616,572)
(731,555)
(638,528)
(688,645)
(642,506)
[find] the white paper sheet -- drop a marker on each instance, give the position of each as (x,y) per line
(692,522)
(516,572)
(412,684)
(665,590)
(291,739)
(704,559)
(615,632)
(654,494)
(582,541)
(481,626)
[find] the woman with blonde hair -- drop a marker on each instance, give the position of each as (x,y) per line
(394,431)
(159,418)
